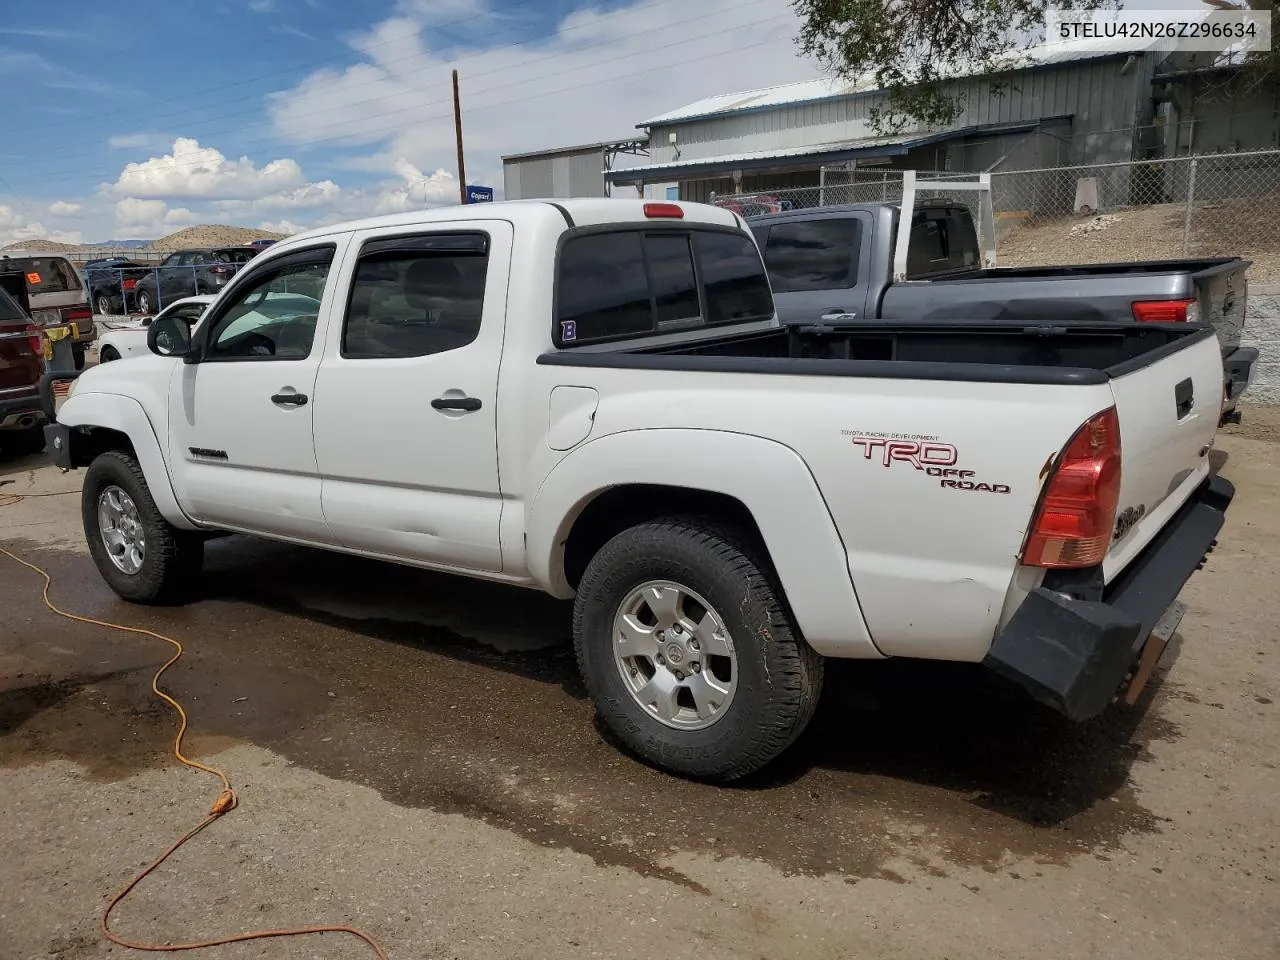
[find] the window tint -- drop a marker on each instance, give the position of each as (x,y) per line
(737,287)
(812,255)
(603,290)
(268,319)
(414,303)
(941,240)
(675,290)
(632,282)
(9,309)
(44,274)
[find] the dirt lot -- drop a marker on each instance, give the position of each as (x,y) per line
(414,754)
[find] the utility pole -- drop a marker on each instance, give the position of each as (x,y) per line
(457,127)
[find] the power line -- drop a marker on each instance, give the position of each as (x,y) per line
(53,176)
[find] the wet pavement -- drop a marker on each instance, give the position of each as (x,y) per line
(924,801)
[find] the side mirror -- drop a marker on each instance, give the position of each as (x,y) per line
(169,337)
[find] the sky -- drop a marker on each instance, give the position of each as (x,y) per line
(286,114)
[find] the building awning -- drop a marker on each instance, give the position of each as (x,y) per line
(807,157)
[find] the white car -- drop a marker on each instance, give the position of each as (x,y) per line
(594,398)
(131,341)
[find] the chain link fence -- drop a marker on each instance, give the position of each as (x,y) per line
(1211,205)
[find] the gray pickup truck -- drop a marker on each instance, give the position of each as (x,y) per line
(834,267)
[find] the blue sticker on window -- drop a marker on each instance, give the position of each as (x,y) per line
(568,330)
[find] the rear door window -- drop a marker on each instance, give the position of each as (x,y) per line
(628,283)
(942,240)
(812,254)
(46,274)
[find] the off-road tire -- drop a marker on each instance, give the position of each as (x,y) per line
(779,674)
(173,559)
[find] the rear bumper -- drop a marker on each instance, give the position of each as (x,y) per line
(15,411)
(1075,652)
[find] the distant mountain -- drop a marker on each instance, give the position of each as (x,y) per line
(119,243)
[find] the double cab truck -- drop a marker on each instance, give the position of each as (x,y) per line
(838,265)
(595,398)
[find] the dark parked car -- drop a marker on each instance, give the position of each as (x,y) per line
(113,283)
(185,273)
(21,366)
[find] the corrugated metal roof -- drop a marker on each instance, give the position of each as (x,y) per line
(808,91)
(866,146)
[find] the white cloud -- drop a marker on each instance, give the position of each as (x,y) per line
(262,6)
(136,141)
(16,226)
(602,72)
(193,171)
(61,208)
(151,218)
(281,226)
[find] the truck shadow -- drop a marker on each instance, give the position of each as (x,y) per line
(944,727)
(962,729)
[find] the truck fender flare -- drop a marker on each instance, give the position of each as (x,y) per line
(113,411)
(770,479)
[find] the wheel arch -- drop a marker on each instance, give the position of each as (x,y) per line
(758,486)
(101,422)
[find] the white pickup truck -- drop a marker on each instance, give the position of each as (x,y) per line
(595,398)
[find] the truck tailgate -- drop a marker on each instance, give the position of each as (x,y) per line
(1168,411)
(1222,294)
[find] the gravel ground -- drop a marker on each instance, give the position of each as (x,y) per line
(1224,229)
(414,754)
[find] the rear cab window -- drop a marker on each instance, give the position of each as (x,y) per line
(641,281)
(45,274)
(943,240)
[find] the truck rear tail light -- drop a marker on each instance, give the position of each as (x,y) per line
(77,313)
(668,211)
(1162,311)
(1077,510)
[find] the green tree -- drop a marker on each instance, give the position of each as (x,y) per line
(910,47)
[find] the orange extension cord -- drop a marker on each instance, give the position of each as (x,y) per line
(225,803)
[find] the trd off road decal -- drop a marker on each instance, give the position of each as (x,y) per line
(924,453)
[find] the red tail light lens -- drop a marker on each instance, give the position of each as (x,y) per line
(1162,311)
(35,339)
(219,269)
(668,211)
(77,313)
(1077,512)
(130,284)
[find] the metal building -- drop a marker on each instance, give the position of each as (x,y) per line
(1061,105)
(566,171)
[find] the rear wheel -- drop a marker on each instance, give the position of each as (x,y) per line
(145,302)
(108,353)
(140,555)
(104,305)
(688,652)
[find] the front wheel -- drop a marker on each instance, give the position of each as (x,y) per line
(140,555)
(688,652)
(145,302)
(107,354)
